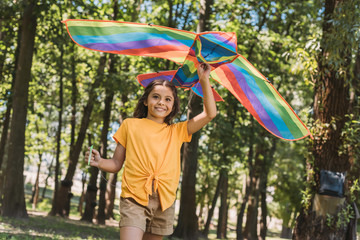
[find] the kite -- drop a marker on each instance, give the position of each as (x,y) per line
(188,49)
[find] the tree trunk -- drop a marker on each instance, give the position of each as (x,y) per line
(104,133)
(110,196)
(47,180)
(331,104)
(250,231)
(187,226)
(7,116)
(223,211)
(58,136)
(268,163)
(82,196)
(35,193)
(248,189)
(213,205)
(90,197)
(111,185)
(109,95)
(64,194)
(14,197)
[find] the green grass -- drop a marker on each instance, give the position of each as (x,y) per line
(48,227)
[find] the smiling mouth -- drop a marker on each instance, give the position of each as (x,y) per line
(160,109)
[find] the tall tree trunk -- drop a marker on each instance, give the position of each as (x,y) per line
(35,193)
(14,198)
(110,196)
(104,134)
(7,117)
(111,185)
(58,135)
(250,231)
(82,196)
(47,179)
(187,226)
(248,188)
(64,194)
(213,205)
(224,206)
(331,104)
(269,160)
(109,96)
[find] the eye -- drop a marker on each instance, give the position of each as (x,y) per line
(155,96)
(168,99)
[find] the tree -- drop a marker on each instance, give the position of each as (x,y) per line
(64,195)
(331,106)
(14,199)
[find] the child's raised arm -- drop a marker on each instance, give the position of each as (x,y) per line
(112,165)
(209,111)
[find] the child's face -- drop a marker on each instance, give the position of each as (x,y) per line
(160,103)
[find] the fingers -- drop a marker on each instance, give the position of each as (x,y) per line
(204,70)
(94,158)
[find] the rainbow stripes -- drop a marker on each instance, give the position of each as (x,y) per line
(260,98)
(131,39)
(219,49)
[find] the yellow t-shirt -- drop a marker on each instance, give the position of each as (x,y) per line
(152,154)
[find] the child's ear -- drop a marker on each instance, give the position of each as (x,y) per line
(145,103)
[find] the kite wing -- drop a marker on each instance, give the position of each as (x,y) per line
(131,38)
(261,99)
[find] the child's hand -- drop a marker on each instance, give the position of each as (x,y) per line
(95,158)
(203,71)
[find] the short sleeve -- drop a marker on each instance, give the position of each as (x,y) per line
(121,134)
(182,131)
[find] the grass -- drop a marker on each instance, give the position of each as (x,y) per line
(47,227)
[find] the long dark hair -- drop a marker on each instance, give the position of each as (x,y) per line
(141,110)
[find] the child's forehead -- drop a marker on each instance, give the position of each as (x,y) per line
(161,89)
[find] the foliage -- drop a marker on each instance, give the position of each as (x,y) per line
(280,38)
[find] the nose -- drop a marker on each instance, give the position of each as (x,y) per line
(161,102)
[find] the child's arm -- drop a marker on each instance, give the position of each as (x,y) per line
(209,111)
(112,165)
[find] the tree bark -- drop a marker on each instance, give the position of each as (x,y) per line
(250,230)
(35,192)
(224,206)
(248,189)
(268,163)
(14,198)
(90,197)
(213,205)
(111,185)
(58,135)
(64,194)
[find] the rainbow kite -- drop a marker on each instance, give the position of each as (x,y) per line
(219,49)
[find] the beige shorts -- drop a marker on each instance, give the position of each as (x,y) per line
(149,218)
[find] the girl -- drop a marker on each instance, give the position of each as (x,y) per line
(151,146)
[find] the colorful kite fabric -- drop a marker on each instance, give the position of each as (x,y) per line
(218,49)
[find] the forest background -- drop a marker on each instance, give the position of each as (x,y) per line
(57,99)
